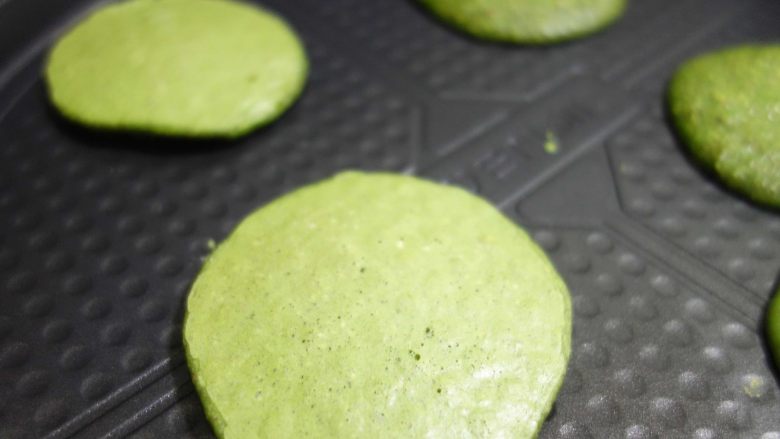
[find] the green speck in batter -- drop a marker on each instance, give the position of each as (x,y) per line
(726,106)
(462,331)
(528,21)
(214,68)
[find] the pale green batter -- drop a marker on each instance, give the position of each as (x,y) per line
(726,106)
(177,67)
(528,21)
(377,306)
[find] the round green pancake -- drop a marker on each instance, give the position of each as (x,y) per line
(177,67)
(726,106)
(773,327)
(377,305)
(528,21)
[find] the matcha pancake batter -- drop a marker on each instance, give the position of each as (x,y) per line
(726,106)
(773,327)
(177,67)
(528,21)
(375,306)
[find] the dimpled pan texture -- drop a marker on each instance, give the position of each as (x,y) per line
(669,271)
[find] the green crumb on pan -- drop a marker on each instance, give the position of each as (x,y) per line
(754,386)
(551,143)
(726,107)
(528,21)
(196,68)
(377,306)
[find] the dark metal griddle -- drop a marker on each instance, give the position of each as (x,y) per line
(101,235)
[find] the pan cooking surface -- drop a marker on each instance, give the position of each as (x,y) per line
(101,234)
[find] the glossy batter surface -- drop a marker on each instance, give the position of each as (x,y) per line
(382,306)
(528,21)
(177,67)
(726,106)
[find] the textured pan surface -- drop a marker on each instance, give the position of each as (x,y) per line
(101,235)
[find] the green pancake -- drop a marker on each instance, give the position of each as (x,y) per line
(528,21)
(211,68)
(726,106)
(773,327)
(377,306)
